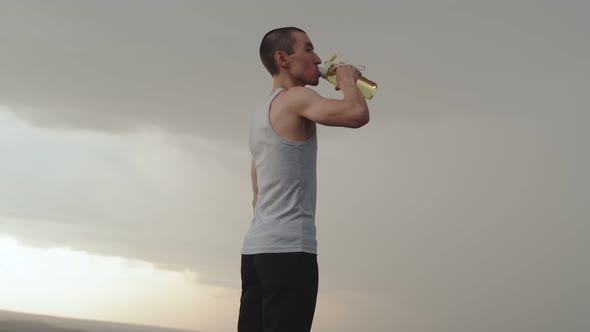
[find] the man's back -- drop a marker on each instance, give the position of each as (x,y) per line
(284,215)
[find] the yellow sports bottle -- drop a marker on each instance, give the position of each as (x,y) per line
(367,87)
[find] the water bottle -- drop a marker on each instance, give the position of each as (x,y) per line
(367,87)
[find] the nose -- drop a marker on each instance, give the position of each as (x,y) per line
(317,60)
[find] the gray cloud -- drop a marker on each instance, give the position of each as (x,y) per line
(138,197)
(126,66)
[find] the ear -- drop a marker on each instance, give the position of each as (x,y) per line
(282,59)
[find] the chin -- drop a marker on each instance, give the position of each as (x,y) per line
(314,82)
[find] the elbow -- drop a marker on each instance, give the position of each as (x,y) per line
(361,119)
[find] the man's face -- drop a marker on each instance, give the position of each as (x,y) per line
(304,61)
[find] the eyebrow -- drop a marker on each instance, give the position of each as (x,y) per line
(308,44)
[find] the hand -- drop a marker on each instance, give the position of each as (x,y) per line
(346,73)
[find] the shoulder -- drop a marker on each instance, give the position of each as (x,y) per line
(299,98)
(302,92)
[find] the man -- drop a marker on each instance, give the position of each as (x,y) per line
(279,255)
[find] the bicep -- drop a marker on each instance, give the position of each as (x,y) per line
(327,111)
(330,112)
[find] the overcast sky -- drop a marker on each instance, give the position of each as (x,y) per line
(462,206)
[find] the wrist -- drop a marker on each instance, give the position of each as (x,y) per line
(348,83)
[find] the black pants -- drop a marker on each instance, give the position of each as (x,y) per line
(279,292)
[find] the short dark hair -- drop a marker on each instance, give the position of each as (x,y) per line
(280,39)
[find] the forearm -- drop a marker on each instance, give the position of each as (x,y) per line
(355,100)
(353,95)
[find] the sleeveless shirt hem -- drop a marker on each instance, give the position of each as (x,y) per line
(278,250)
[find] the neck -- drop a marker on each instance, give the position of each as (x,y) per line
(285,82)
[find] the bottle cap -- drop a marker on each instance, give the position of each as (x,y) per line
(326,66)
(324,69)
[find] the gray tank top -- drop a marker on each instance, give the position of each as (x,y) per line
(284,217)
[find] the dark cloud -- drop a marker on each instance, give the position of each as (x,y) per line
(125,67)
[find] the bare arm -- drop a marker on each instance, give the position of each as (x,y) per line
(351,111)
(254,183)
